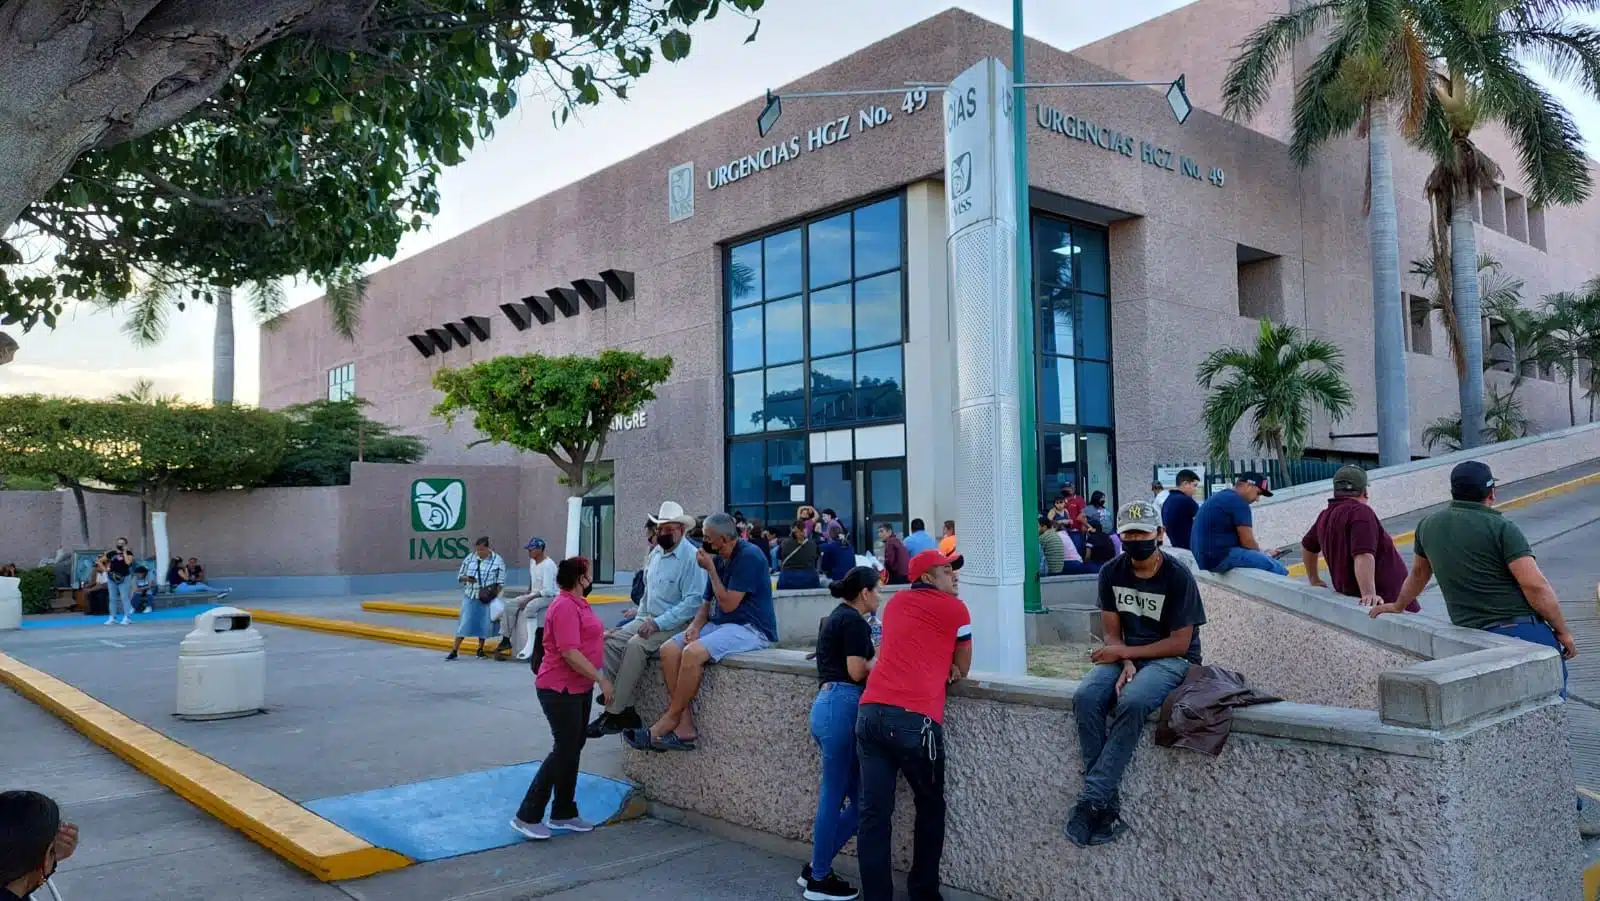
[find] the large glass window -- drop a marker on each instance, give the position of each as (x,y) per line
(1072,284)
(815,324)
(342,382)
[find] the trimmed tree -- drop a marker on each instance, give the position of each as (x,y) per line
(68,442)
(325,437)
(1277,383)
(559,407)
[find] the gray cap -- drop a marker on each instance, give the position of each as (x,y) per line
(1138,516)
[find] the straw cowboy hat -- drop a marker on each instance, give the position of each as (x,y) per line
(672,512)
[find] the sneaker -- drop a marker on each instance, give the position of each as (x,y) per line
(111,621)
(223,594)
(481,654)
(125,621)
(600,728)
(576,824)
(1108,826)
(537,831)
(805,876)
(830,888)
(1080,825)
(451,656)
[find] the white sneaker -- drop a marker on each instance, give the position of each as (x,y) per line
(111,621)
(537,831)
(125,622)
(576,824)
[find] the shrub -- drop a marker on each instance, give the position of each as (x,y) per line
(38,588)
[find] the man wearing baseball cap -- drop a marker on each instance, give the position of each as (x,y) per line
(927,646)
(1224,537)
(541,591)
(1151,612)
(1485,569)
(1362,561)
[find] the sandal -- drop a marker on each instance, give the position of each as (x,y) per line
(639,740)
(673,742)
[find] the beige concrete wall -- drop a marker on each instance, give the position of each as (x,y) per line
(375,518)
(266,532)
(33,524)
(1399,813)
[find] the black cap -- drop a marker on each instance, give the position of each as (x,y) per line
(1471,481)
(1256,479)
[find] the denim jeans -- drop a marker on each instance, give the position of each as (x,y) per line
(1106,752)
(894,741)
(121,597)
(833,725)
(1538,633)
(1244,558)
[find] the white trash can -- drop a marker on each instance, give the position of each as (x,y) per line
(10,603)
(222,667)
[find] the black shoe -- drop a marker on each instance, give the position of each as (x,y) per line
(627,719)
(805,876)
(1108,826)
(830,888)
(451,656)
(599,728)
(1080,825)
(502,651)
(481,654)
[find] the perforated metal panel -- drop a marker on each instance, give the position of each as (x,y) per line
(972,281)
(978,514)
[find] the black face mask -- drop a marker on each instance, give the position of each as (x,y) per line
(665,541)
(1140,549)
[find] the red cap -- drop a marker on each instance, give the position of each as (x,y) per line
(927,560)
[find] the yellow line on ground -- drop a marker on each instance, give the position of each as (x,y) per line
(297,835)
(1533,497)
(438,641)
(1591,881)
(439,610)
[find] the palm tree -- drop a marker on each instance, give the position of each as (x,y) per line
(144,392)
(1277,383)
(1485,46)
(163,293)
(1496,287)
(1503,417)
(1375,63)
(1573,340)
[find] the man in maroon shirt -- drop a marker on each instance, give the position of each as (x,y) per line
(1362,561)
(895,557)
(927,645)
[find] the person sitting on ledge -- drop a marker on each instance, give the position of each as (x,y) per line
(190,578)
(144,590)
(1151,612)
(737,617)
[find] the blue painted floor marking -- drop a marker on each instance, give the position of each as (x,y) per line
(71,620)
(458,815)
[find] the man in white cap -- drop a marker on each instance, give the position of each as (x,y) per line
(541,591)
(674,585)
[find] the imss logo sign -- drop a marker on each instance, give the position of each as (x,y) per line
(438,505)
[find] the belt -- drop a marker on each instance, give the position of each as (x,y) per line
(1530,619)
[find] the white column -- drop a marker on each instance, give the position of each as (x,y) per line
(980,201)
(930,358)
(158,534)
(574,516)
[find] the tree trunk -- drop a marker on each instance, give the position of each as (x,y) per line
(1283,467)
(1388,317)
(1572,394)
(1469,315)
(222,350)
(83,512)
(144,531)
(75,76)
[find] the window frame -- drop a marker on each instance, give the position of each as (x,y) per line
(343,377)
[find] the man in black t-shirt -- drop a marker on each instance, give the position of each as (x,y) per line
(1151,611)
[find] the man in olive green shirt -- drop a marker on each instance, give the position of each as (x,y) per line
(1485,569)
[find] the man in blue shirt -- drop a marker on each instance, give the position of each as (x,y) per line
(919,540)
(736,618)
(1224,537)
(1177,513)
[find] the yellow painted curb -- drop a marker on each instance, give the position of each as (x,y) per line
(1591,881)
(439,610)
(292,832)
(438,641)
(1533,497)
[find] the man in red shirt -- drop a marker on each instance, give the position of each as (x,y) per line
(1075,524)
(1362,561)
(927,646)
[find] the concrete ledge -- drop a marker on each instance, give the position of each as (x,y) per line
(297,835)
(1443,694)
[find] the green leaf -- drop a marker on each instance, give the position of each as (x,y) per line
(675,45)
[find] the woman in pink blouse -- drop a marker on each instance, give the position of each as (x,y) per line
(574,649)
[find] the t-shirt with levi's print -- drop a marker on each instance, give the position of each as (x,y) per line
(1154,608)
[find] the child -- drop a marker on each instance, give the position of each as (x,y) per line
(144,590)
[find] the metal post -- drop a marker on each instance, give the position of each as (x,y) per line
(1027,399)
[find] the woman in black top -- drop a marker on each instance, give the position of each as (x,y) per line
(1098,546)
(844,657)
(797,560)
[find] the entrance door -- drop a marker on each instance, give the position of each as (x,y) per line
(597,538)
(884,498)
(832,488)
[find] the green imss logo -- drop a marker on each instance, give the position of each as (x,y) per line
(438,505)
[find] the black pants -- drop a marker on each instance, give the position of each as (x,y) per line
(569,723)
(537,657)
(890,741)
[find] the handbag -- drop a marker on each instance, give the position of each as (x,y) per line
(486,593)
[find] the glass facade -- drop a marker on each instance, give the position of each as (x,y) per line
(1076,415)
(815,332)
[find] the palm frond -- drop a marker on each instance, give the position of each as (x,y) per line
(1326,103)
(268,302)
(147,312)
(345,296)
(1568,51)
(1248,82)
(1549,144)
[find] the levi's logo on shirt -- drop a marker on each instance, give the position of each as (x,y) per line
(1139,603)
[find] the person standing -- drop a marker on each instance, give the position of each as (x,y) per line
(1179,509)
(1159,494)
(927,646)
(1075,524)
(120,572)
(1224,538)
(1096,511)
(919,540)
(1486,569)
(674,585)
(542,591)
(838,557)
(482,576)
(844,658)
(574,640)
(1362,560)
(895,555)
(1151,611)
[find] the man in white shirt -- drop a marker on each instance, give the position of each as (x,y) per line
(541,591)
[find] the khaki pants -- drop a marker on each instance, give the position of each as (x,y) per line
(510,617)
(627,654)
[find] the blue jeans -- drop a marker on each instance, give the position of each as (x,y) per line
(192,588)
(791,579)
(1244,558)
(1538,633)
(121,597)
(833,725)
(1106,753)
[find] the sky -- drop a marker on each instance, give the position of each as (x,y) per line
(528,157)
